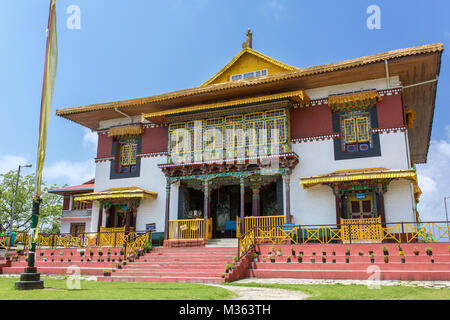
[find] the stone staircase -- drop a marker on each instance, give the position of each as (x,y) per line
(222,243)
(359,267)
(189,264)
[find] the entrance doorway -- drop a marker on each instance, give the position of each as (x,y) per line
(361,207)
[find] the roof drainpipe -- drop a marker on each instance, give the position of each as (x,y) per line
(123,113)
(388,82)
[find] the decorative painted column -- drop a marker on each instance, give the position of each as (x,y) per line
(205,207)
(381,207)
(128,219)
(338,200)
(242,211)
(287,190)
(100,216)
(255,201)
(166,221)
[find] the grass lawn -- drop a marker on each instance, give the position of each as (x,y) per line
(56,289)
(359,292)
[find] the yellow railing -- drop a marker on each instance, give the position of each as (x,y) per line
(246,242)
(134,241)
(189,229)
(362,230)
(259,221)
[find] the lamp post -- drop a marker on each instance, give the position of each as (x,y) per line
(14,203)
(445,206)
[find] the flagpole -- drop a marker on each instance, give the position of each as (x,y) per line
(30,278)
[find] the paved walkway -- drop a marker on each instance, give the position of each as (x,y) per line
(251,293)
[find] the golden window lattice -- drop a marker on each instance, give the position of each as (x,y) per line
(254,126)
(349,130)
(232,132)
(234,135)
(213,136)
(362,128)
(128,154)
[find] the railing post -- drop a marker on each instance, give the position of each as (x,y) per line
(115,239)
(403,232)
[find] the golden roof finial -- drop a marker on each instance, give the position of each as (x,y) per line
(248,42)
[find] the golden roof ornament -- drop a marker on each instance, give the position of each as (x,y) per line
(248,42)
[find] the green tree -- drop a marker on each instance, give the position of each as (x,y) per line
(50,208)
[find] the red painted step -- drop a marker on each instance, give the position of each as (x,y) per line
(192,264)
(416,267)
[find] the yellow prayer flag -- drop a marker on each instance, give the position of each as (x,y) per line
(51,62)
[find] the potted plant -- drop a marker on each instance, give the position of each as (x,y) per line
(385,251)
(255,257)
(333,261)
(91,252)
(313,253)
(386,258)
(263,259)
(61,252)
(121,252)
(279,252)
(106,272)
(300,257)
(347,260)
(293,251)
(324,259)
(429,251)
(271,249)
(323,252)
(313,259)
(41,253)
(333,253)
(100,251)
(81,252)
(372,259)
(402,255)
(109,252)
(360,253)
(347,252)
(272,258)
(288,259)
(52,253)
(61,259)
(8,256)
(416,251)
(432,259)
(19,251)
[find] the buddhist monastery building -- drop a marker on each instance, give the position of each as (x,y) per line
(265,141)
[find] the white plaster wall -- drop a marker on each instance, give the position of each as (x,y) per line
(316,205)
(399,202)
(152,179)
(379,84)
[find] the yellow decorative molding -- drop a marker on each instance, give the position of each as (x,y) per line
(358,99)
(131,130)
(410,118)
(116,193)
(355,175)
(298,96)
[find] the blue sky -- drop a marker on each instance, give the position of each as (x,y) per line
(137,48)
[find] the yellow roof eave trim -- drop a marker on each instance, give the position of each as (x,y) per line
(115,194)
(309,182)
(299,94)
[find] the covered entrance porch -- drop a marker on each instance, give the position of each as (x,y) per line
(226,198)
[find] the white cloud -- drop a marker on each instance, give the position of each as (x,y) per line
(434,180)
(90,140)
(69,172)
(11,162)
(275,7)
